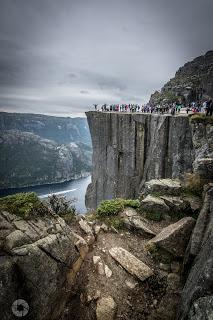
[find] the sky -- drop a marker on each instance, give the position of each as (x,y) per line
(58,57)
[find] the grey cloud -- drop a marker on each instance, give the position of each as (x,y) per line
(84,92)
(115,50)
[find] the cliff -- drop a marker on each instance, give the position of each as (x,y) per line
(192,82)
(129,149)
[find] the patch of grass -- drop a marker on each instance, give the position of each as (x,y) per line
(201,118)
(115,222)
(132,203)
(28,205)
(24,205)
(159,254)
(113,207)
(158,194)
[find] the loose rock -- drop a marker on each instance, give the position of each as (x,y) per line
(106,308)
(129,262)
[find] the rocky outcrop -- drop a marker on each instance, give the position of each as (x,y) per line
(191,82)
(38,262)
(199,260)
(154,204)
(162,186)
(130,149)
(135,223)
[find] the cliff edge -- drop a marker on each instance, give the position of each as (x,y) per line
(129,149)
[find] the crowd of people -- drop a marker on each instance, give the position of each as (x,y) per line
(173,108)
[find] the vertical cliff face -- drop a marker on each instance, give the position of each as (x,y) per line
(129,149)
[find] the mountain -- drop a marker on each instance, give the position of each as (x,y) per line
(59,129)
(39,149)
(192,82)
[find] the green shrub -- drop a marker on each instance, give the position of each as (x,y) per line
(132,203)
(61,206)
(113,207)
(110,207)
(24,205)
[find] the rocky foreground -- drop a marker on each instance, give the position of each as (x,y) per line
(88,269)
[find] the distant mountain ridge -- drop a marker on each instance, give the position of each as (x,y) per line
(59,129)
(40,149)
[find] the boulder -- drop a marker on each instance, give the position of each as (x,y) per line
(175,237)
(204,167)
(16,239)
(106,308)
(162,186)
(137,224)
(154,204)
(85,227)
(132,264)
(177,204)
(129,212)
(202,309)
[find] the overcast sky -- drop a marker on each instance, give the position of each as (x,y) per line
(60,56)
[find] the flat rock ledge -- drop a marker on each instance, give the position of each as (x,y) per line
(130,263)
(164,186)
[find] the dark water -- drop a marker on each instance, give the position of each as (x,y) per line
(73,189)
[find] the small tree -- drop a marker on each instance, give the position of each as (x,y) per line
(61,206)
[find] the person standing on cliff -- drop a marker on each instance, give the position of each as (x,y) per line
(209,107)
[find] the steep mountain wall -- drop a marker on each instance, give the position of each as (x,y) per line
(129,149)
